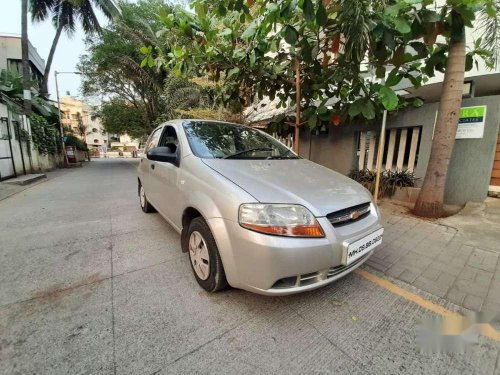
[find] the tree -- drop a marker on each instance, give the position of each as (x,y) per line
(453,18)
(64,15)
(335,60)
(303,53)
(119,116)
(111,68)
(132,89)
(25,58)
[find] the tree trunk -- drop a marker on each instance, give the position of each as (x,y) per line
(430,200)
(45,80)
(25,58)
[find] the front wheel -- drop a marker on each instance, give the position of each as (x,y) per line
(143,200)
(205,258)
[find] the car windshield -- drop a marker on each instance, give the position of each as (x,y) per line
(232,141)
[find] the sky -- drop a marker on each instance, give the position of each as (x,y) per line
(41,35)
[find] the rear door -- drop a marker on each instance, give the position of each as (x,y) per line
(145,164)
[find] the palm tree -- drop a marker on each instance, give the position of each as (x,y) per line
(65,14)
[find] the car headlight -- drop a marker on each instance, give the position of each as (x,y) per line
(290,220)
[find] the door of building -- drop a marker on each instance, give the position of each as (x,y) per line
(6,159)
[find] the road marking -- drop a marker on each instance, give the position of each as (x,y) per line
(486,329)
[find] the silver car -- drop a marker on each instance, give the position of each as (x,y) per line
(253,214)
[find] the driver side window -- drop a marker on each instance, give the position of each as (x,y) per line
(153,140)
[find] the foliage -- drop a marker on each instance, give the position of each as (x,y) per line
(137,98)
(218,114)
(65,14)
(44,136)
(119,116)
(71,140)
(11,85)
(111,68)
(389,180)
(356,52)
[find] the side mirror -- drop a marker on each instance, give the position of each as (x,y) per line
(163,154)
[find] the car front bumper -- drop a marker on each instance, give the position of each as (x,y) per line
(274,265)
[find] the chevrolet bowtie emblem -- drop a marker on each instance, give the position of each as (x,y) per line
(354,215)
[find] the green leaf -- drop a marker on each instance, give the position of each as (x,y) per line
(321,16)
(389,40)
(393,79)
(356,108)
(144,62)
(417,102)
(178,52)
(312,121)
(272,7)
(226,32)
(469,62)
(291,35)
(388,98)
(368,111)
(322,110)
(402,25)
(144,50)
(221,9)
(249,32)
(233,72)
(393,10)
(308,9)
(151,61)
(253,57)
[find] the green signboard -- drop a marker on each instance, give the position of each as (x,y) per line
(471,122)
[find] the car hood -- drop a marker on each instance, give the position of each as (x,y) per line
(296,181)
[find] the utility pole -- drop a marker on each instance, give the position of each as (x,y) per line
(380,155)
(56,73)
(65,160)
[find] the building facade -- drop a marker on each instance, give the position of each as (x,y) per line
(17,154)
(77,116)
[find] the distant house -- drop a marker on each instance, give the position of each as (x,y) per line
(74,111)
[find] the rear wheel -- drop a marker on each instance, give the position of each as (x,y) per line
(145,205)
(204,256)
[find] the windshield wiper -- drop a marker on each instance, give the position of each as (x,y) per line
(245,151)
(281,157)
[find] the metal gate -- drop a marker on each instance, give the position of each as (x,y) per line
(7,169)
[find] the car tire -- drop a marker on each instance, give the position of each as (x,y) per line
(143,200)
(213,279)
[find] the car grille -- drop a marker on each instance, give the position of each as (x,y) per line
(314,277)
(349,215)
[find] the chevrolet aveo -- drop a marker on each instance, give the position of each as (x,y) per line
(253,214)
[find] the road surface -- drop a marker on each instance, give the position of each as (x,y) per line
(91,285)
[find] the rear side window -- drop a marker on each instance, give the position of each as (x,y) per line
(153,140)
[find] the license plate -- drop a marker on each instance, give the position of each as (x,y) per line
(363,246)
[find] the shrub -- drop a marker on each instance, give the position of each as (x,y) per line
(389,180)
(71,140)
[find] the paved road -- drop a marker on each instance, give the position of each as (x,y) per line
(91,285)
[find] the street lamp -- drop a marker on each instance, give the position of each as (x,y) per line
(60,117)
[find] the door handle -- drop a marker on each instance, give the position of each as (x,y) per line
(152,166)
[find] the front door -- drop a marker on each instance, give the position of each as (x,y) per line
(167,197)
(146,165)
